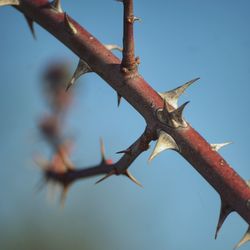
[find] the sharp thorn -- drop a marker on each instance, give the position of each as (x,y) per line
(56,5)
(164,142)
(244,239)
(81,69)
(218,146)
(119,98)
(113,47)
(69,24)
(132,178)
(126,151)
(102,150)
(177,116)
(225,210)
(172,96)
(9,2)
(31,26)
(112,172)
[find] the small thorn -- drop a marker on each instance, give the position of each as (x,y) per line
(225,210)
(244,239)
(172,96)
(9,2)
(119,98)
(126,151)
(31,26)
(56,5)
(113,47)
(132,178)
(69,24)
(102,150)
(164,142)
(112,172)
(218,146)
(81,69)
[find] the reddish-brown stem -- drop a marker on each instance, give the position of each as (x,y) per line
(231,187)
(105,166)
(128,56)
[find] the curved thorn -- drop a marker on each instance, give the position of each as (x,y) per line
(164,142)
(9,2)
(172,96)
(218,146)
(56,5)
(81,69)
(126,151)
(31,26)
(69,24)
(225,210)
(119,98)
(244,239)
(112,172)
(132,178)
(177,116)
(113,47)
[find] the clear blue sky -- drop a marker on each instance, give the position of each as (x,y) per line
(177,41)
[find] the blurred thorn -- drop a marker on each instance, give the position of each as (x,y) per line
(9,2)
(132,178)
(218,146)
(102,150)
(244,239)
(113,47)
(56,5)
(119,98)
(172,96)
(69,24)
(41,162)
(64,193)
(31,26)
(40,185)
(164,142)
(248,183)
(112,172)
(225,210)
(81,69)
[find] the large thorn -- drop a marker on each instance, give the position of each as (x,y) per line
(177,116)
(9,2)
(172,96)
(132,178)
(31,26)
(112,172)
(56,5)
(244,239)
(82,68)
(113,47)
(225,210)
(69,24)
(164,142)
(218,146)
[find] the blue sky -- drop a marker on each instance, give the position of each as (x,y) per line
(176,41)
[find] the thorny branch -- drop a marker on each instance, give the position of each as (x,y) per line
(160,110)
